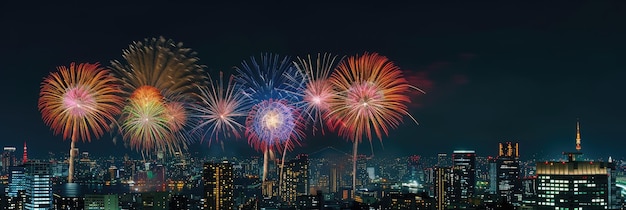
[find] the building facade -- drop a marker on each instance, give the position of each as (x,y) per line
(38,185)
(576,185)
(464,183)
(218,185)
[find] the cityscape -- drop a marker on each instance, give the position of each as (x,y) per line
(312,105)
(460,179)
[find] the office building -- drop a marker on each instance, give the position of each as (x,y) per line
(8,159)
(38,185)
(575,184)
(508,183)
(295,180)
(218,185)
(464,169)
(101,202)
(442,186)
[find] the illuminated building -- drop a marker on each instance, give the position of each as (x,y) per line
(101,202)
(8,159)
(17,181)
(464,169)
(218,185)
(25,154)
(442,186)
(575,184)
(508,183)
(38,185)
(295,179)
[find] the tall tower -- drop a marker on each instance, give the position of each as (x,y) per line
(578,135)
(25,156)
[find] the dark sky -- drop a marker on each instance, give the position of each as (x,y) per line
(494,71)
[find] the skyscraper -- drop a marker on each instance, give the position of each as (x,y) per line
(508,183)
(295,179)
(443,178)
(38,185)
(17,181)
(8,159)
(218,185)
(464,168)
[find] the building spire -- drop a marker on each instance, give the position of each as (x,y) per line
(25,155)
(578,135)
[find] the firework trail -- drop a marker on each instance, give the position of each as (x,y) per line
(318,90)
(370,99)
(274,121)
(159,79)
(79,101)
(220,108)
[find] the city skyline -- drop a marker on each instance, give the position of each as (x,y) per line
(491,73)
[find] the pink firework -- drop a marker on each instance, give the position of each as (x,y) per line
(318,90)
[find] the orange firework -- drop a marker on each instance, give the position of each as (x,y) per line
(79,102)
(370,95)
(159,76)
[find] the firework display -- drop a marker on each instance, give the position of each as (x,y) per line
(273,122)
(158,79)
(370,99)
(159,100)
(79,102)
(318,90)
(220,109)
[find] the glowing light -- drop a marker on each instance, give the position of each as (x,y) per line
(220,109)
(158,78)
(370,97)
(79,101)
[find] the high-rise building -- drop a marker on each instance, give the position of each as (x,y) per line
(8,159)
(38,185)
(17,181)
(575,184)
(295,179)
(464,169)
(508,183)
(218,185)
(442,186)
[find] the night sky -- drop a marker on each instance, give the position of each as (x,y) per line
(498,71)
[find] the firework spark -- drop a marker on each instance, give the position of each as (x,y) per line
(220,109)
(371,97)
(318,90)
(170,72)
(273,87)
(272,123)
(79,101)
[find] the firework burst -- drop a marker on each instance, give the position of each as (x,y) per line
(318,90)
(79,101)
(272,123)
(220,108)
(273,86)
(370,99)
(159,77)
